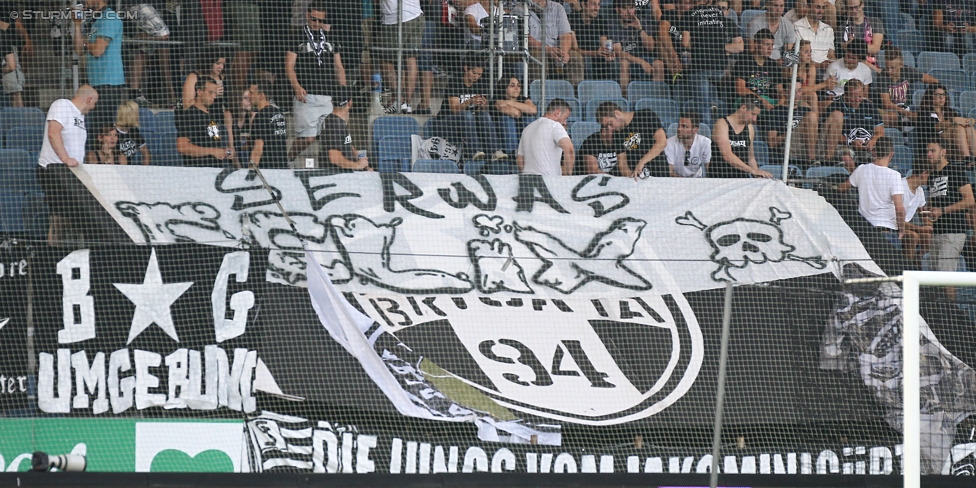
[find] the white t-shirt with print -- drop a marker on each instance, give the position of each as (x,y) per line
(689,163)
(73,133)
(539,147)
(875,187)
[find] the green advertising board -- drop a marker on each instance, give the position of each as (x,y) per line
(127,445)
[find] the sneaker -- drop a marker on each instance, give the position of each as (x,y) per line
(499,154)
(439,73)
(405,109)
(392,109)
(479,155)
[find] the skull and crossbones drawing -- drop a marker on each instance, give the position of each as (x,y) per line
(736,243)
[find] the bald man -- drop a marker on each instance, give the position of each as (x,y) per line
(64,147)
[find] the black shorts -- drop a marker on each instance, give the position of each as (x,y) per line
(60,188)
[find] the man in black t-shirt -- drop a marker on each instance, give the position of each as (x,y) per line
(591,29)
(267,130)
(640,138)
(314,68)
(466,121)
(710,39)
(852,129)
(949,199)
(13,37)
(199,137)
(335,140)
(598,155)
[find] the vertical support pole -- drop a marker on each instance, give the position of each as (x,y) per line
(720,392)
(911,397)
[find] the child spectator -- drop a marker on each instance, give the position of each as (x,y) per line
(130,139)
(107,151)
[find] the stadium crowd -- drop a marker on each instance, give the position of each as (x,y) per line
(636,88)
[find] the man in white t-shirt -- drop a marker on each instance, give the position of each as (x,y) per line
(918,234)
(850,67)
(64,146)
(880,191)
(688,152)
(545,143)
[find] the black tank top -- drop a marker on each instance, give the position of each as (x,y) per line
(740,147)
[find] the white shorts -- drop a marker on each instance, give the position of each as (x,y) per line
(150,23)
(945,251)
(309,115)
(13,82)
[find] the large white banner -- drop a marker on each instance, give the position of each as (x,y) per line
(590,236)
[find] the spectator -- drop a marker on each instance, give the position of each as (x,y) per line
(242,126)
(476,15)
(918,232)
(198,135)
(335,140)
(711,40)
(544,143)
(63,147)
(956,20)
(512,109)
(893,89)
(562,61)
(830,13)
(669,36)
(599,154)
(732,139)
(853,128)
(108,150)
(269,148)
(314,68)
(881,193)
(821,36)
(783,35)
(245,22)
(150,26)
(210,66)
(102,50)
(467,120)
(688,152)
(850,67)
(805,124)
(868,29)
(592,35)
(427,60)
(633,46)
(130,141)
(806,78)
(937,120)
(413,33)
(950,198)
(758,74)
(799,11)
(13,73)
(639,136)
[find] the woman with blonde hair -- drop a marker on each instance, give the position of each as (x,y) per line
(129,137)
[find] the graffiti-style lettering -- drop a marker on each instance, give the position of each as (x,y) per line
(247,189)
(597,201)
(390,197)
(531,189)
(78,306)
(467,197)
(320,195)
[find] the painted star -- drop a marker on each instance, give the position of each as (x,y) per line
(153,300)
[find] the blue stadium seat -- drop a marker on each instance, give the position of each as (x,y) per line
(147,120)
(475,166)
(162,146)
(28,138)
(965,102)
(746,17)
(554,89)
(11,117)
(777,170)
(579,131)
(593,89)
(906,22)
(434,166)
(393,154)
(164,122)
(969,63)
(909,58)
(647,89)
(12,212)
(394,125)
(595,103)
(929,60)
(761,150)
(903,160)
(896,136)
(953,79)
(908,40)
(666,109)
(825,171)
(18,171)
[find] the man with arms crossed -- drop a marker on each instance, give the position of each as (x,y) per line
(545,143)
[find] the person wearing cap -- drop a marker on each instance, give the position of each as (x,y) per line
(335,140)
(268,131)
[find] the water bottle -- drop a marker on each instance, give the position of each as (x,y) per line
(685,57)
(377,83)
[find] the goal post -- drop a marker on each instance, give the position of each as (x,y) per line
(912,281)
